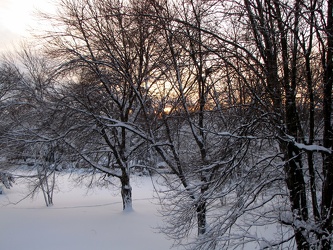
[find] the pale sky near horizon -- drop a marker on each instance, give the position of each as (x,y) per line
(16,18)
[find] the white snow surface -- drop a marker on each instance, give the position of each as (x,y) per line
(81,219)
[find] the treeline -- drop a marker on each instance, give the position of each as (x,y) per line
(234,96)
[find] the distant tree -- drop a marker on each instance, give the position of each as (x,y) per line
(28,115)
(9,81)
(7,180)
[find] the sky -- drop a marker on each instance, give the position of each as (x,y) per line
(17,18)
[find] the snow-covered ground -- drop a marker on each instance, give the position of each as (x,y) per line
(81,219)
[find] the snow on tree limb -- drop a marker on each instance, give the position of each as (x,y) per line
(306,147)
(313,148)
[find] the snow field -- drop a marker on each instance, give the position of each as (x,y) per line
(81,219)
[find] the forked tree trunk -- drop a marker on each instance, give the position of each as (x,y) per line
(45,185)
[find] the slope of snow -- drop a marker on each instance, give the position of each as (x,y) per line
(81,219)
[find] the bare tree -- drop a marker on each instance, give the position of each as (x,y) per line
(327,196)
(28,119)
(108,48)
(226,93)
(202,142)
(275,52)
(264,70)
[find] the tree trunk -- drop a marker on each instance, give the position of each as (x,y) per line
(297,195)
(44,186)
(327,196)
(294,172)
(201,217)
(126,193)
(202,206)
